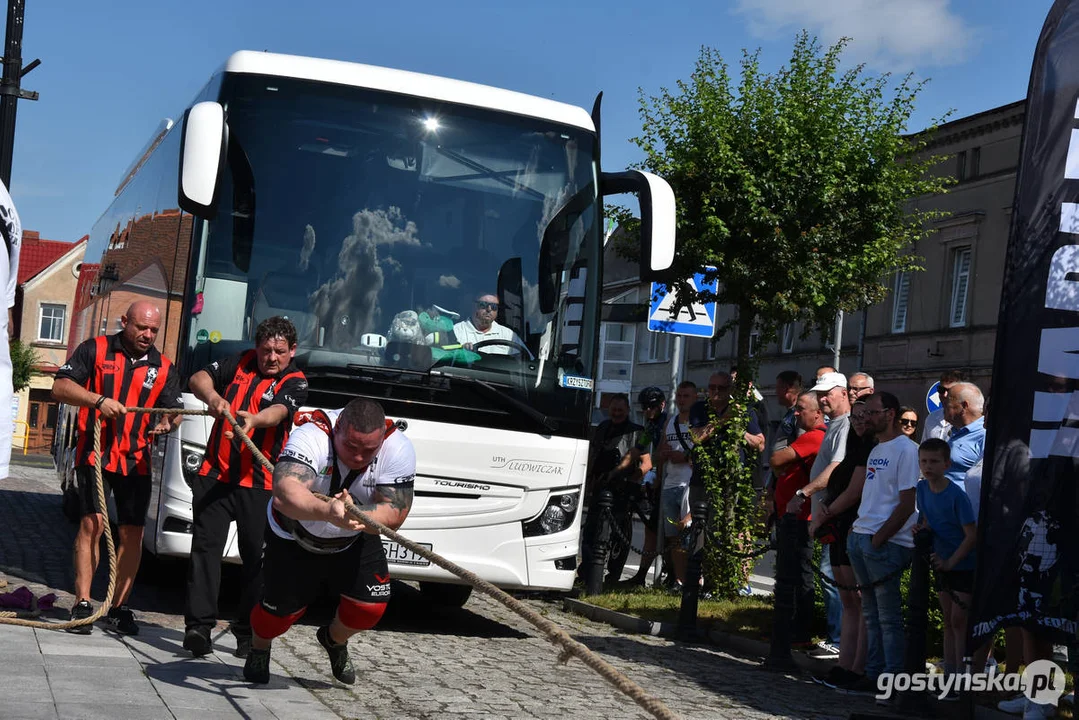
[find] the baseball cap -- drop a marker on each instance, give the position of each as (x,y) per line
(827,381)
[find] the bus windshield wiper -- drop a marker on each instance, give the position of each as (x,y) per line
(370,373)
(493,391)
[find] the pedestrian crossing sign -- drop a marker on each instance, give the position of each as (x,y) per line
(695,320)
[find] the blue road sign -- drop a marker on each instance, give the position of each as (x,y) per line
(696,320)
(932,398)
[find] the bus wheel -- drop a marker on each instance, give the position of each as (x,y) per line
(446,593)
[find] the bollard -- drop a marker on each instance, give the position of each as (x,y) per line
(918,621)
(687,613)
(597,563)
(788,579)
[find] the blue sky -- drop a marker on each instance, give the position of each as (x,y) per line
(108,78)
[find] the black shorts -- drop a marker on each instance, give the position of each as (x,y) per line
(293,577)
(131,492)
(955,580)
(837,551)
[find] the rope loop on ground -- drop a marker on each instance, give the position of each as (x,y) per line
(567,645)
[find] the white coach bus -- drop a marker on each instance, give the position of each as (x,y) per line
(374,207)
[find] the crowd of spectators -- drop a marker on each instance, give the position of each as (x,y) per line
(847,468)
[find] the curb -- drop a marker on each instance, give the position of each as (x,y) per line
(41,461)
(730,641)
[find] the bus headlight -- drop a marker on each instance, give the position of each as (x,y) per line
(557,516)
(191,460)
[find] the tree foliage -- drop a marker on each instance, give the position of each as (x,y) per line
(23,359)
(795,185)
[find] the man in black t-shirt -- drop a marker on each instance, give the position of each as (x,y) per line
(263,389)
(611,454)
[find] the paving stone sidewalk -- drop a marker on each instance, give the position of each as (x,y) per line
(50,674)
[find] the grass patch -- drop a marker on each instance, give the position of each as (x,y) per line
(748,616)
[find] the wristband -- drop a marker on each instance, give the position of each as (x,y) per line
(97,405)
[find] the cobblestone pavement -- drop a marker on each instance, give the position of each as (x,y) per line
(423,661)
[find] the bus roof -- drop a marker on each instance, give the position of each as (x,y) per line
(407,83)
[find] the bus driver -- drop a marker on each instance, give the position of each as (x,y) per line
(482,326)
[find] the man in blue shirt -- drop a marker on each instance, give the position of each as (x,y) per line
(963,410)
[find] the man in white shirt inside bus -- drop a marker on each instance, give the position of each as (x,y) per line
(482,326)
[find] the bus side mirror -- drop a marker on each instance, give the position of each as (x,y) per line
(202,155)
(656,199)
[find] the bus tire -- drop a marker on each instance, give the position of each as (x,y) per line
(447,594)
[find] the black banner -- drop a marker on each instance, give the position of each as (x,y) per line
(1027,530)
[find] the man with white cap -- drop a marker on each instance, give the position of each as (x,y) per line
(834,400)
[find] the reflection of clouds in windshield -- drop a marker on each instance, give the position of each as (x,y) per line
(386,228)
(449,281)
(347,304)
(308,247)
(526,175)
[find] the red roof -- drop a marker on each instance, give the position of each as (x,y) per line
(36,254)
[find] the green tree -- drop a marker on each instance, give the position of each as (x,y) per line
(797,186)
(23,359)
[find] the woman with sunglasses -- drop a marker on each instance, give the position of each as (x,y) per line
(908,421)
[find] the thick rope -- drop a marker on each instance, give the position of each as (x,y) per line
(553,633)
(10,618)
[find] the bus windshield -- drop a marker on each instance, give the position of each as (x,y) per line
(413,243)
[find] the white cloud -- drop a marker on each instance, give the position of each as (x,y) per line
(895,35)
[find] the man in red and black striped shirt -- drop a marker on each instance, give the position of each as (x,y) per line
(103,377)
(263,389)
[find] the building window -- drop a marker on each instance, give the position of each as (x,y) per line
(616,352)
(657,348)
(788,338)
(961,258)
(900,301)
(51,325)
(975,162)
(961,165)
(710,349)
(754,343)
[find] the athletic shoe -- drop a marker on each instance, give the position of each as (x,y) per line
(1036,711)
(257,667)
(80,611)
(862,686)
(340,662)
(197,640)
(835,674)
(839,678)
(1013,706)
(121,620)
(824,650)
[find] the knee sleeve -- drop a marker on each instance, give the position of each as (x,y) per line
(356,615)
(269,626)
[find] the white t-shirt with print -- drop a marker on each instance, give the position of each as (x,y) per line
(677,474)
(395,464)
(892,467)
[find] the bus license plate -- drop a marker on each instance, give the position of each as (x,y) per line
(398,555)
